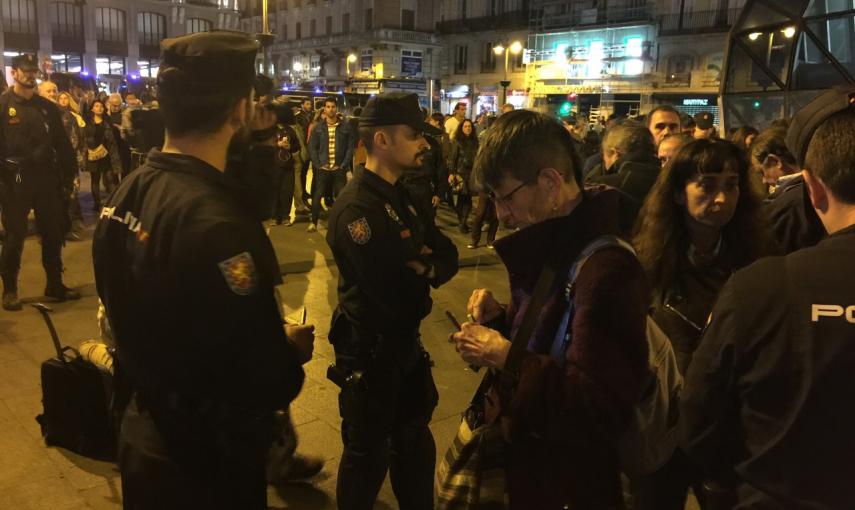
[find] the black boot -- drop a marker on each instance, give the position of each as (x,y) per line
(57,292)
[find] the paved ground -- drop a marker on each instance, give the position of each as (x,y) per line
(33,476)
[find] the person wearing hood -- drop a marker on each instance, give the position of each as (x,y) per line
(629,158)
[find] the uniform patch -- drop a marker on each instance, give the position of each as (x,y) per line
(239,272)
(13,112)
(359,231)
(405,233)
(392,214)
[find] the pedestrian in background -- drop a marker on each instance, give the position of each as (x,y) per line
(102,156)
(331,148)
(464,148)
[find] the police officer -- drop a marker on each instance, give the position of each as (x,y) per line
(766,402)
(389,253)
(186,274)
(37,170)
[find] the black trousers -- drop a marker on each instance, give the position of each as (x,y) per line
(324,184)
(486,212)
(40,193)
(174,462)
(304,174)
(98,171)
(285,194)
(385,428)
(463,207)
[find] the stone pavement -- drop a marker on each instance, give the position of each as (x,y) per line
(33,476)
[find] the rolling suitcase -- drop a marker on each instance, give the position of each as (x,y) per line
(76,395)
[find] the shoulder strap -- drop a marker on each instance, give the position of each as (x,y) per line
(519,344)
(564,333)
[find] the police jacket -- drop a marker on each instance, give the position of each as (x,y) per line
(374,229)
(344,144)
(186,274)
(794,221)
(767,399)
(32,130)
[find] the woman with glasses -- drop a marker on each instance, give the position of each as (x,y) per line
(464,148)
(701,222)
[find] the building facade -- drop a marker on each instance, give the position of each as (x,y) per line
(472,72)
(358,46)
(110,39)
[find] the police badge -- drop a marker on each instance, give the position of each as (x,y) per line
(392,214)
(359,231)
(239,272)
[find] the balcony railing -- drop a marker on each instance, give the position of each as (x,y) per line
(380,34)
(698,22)
(516,19)
(204,3)
(551,17)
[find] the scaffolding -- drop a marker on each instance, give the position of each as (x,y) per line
(549,61)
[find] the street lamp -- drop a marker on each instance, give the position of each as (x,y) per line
(265,38)
(515,47)
(351,59)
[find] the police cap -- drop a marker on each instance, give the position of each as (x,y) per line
(396,108)
(212,60)
(703,120)
(25,62)
(809,118)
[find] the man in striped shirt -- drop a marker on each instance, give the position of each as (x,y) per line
(331,147)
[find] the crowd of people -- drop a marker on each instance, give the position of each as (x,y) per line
(736,250)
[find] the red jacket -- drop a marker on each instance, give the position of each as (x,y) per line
(563,423)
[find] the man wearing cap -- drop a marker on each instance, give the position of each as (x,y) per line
(37,170)
(704,127)
(186,274)
(389,253)
(765,402)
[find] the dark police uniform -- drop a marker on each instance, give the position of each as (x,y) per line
(186,274)
(37,169)
(766,402)
(376,227)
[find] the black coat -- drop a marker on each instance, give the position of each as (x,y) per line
(633,177)
(795,223)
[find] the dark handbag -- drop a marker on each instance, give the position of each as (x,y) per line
(472,473)
(76,395)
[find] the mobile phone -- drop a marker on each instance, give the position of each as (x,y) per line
(456,325)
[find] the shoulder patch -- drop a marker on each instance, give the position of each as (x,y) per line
(13,112)
(239,272)
(359,231)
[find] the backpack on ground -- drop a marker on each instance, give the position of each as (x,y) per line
(651,438)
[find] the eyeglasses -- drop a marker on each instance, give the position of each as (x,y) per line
(505,200)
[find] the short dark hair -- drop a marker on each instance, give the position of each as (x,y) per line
(772,141)
(523,142)
(663,108)
(304,99)
(831,154)
(330,100)
(438,117)
(186,109)
(632,139)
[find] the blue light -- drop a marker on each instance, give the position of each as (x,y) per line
(84,73)
(135,77)
(317,90)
